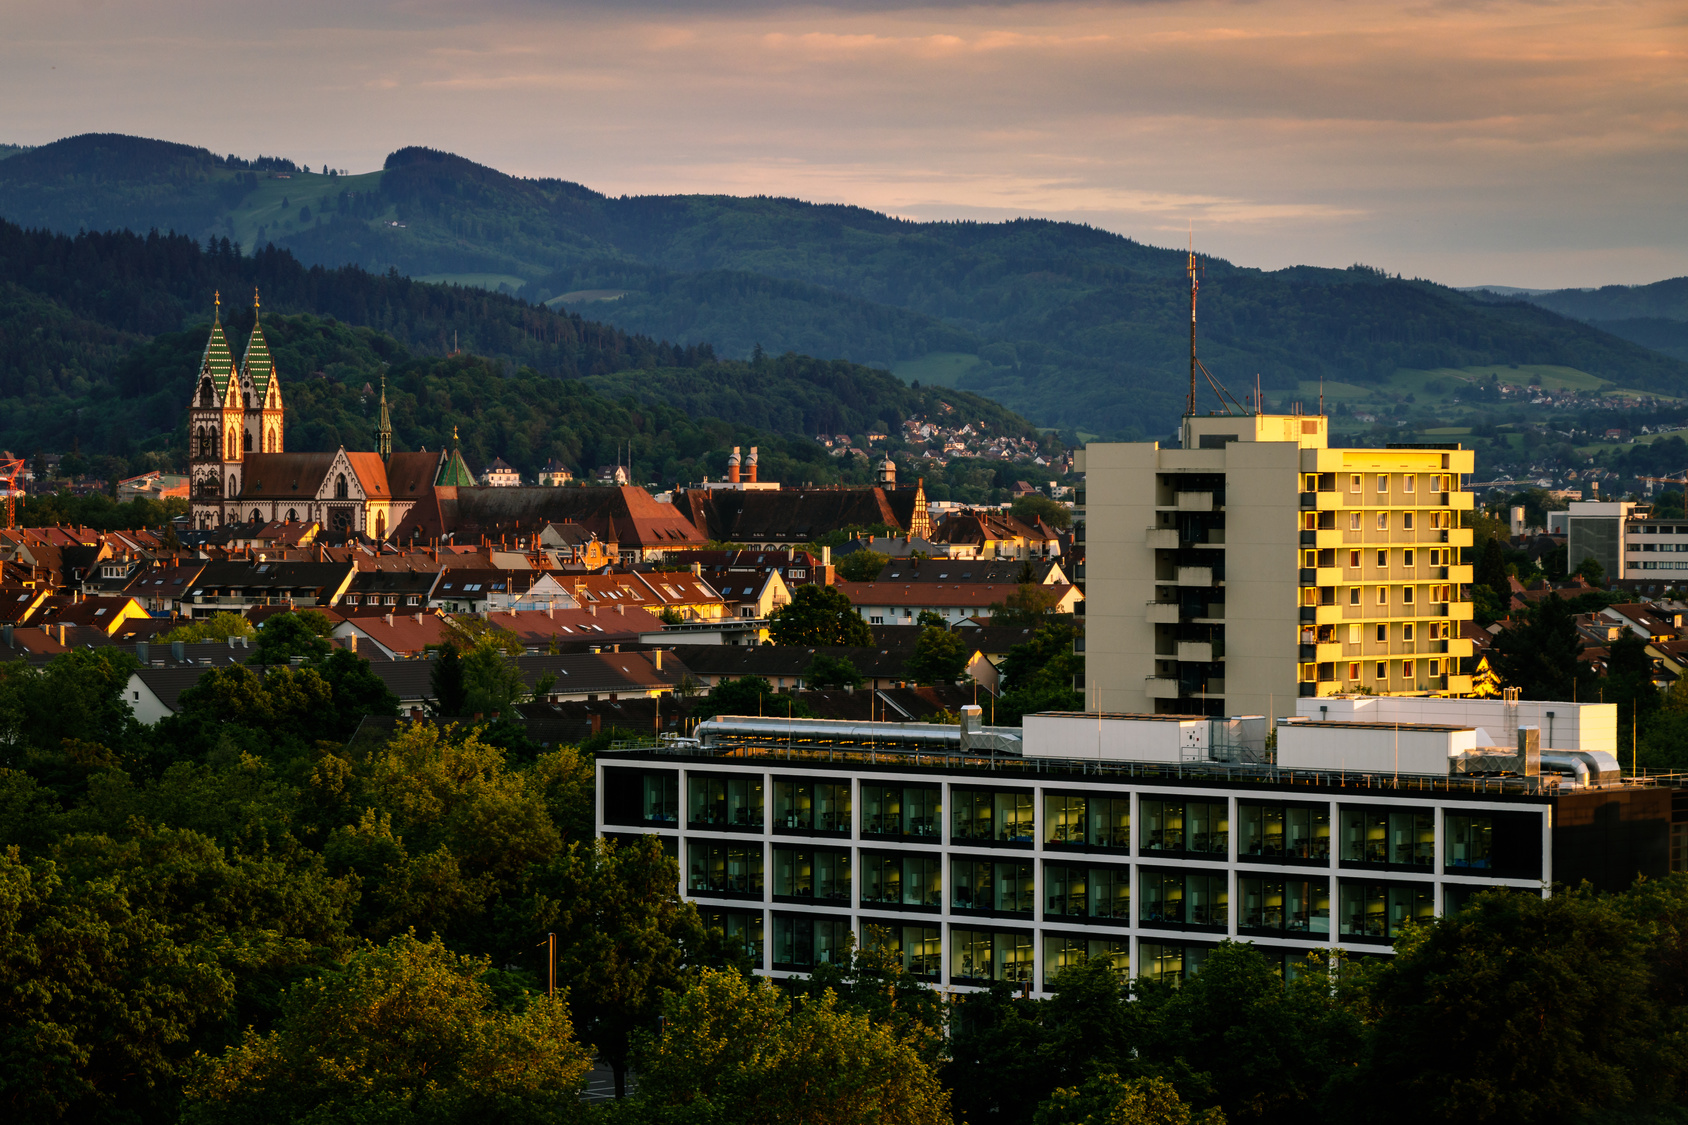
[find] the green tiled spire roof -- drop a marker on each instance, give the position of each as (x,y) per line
(454,471)
(219,360)
(258,365)
(384,436)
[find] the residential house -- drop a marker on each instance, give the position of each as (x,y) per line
(901,603)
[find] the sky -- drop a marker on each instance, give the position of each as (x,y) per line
(1533,143)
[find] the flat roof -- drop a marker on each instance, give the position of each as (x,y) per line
(1338,724)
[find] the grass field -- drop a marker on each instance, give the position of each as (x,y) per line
(477,280)
(940,369)
(262,208)
(587,296)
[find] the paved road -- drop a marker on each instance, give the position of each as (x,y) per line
(600,1084)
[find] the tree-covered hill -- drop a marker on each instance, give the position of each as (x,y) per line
(1654,316)
(100,336)
(1067,324)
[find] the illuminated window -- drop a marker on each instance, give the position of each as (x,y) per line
(1353,634)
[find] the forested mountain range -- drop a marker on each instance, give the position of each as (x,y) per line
(101,334)
(1655,316)
(1072,326)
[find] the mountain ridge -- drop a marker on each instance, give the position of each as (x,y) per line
(1073,326)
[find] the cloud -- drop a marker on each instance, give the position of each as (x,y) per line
(1448,139)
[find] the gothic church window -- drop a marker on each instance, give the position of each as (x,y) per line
(249,441)
(340,492)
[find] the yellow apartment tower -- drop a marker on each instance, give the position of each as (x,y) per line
(1256,565)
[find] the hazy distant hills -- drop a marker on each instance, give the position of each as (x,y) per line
(1655,316)
(1070,325)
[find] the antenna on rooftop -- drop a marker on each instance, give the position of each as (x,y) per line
(1226,399)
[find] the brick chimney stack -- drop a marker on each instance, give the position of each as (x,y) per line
(750,466)
(733,467)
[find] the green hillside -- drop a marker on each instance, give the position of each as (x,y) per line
(1074,327)
(100,336)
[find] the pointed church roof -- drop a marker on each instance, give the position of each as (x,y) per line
(454,472)
(258,365)
(219,360)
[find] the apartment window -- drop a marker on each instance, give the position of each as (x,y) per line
(1169,961)
(1353,560)
(1383,670)
(1383,482)
(1407,631)
(352,599)
(726,868)
(1383,560)
(1200,827)
(1353,671)
(1383,521)
(725,802)
(876,620)
(1353,634)
(902,879)
(1087,892)
(1438,483)
(921,948)
(1383,634)
(1283,906)
(646,797)
(1087,822)
(1353,595)
(1406,595)
(1406,558)
(1309,559)
(1380,911)
(1383,595)
(997,888)
(981,956)
(992,815)
(1062,951)
(1353,521)
(1285,832)
(742,930)
(1435,668)
(812,874)
(1184,898)
(1380,836)
(811,806)
(1503,845)
(1407,520)
(1408,482)
(1354,483)
(803,941)
(910,812)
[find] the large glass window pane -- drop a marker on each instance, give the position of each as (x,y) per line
(794,805)
(661,798)
(1064,819)
(922,811)
(882,878)
(1110,822)
(1260,830)
(1061,951)
(1410,902)
(1206,900)
(708,799)
(1160,961)
(1066,891)
(1014,888)
(1364,909)
(1470,842)
(724,868)
(1014,817)
(1412,838)
(1307,832)
(1163,826)
(1163,896)
(1014,956)
(972,955)
(882,810)
(1365,835)
(1110,893)
(1207,827)
(972,816)
(923,881)
(970,884)
(832,937)
(742,930)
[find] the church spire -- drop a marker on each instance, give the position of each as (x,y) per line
(384,439)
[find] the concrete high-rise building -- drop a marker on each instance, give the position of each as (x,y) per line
(1256,565)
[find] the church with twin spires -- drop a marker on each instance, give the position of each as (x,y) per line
(241,473)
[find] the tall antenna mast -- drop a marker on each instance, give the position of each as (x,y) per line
(1195,284)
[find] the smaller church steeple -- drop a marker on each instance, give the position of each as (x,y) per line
(384,436)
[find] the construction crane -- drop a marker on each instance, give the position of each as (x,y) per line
(11,483)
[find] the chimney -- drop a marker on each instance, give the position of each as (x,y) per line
(733,467)
(656,659)
(388,618)
(592,609)
(826,556)
(141,649)
(751,465)
(6,635)
(616,647)
(62,631)
(597,722)
(351,642)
